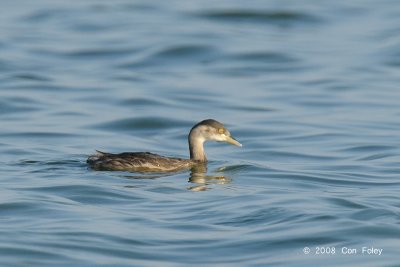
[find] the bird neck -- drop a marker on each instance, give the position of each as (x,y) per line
(196,147)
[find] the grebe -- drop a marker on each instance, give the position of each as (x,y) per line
(206,130)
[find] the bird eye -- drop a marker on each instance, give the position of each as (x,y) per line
(221,131)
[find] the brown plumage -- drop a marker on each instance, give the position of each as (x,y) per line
(137,162)
(148,162)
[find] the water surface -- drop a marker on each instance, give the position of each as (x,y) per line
(310,89)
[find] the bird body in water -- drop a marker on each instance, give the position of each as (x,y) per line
(206,130)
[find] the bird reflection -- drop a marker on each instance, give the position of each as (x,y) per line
(198,177)
(202,181)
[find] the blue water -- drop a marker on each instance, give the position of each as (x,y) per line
(311,89)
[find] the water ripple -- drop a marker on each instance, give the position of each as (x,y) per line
(282,18)
(98,53)
(138,124)
(174,55)
(270,57)
(10,105)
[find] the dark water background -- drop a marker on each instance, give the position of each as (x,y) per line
(311,89)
